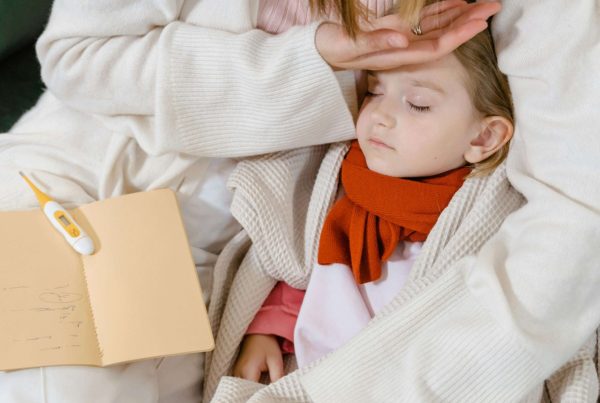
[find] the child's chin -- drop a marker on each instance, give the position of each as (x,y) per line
(380,167)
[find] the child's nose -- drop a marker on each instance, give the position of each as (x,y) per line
(383,117)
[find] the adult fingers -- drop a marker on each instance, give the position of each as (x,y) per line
(445,42)
(339,50)
(437,15)
(379,40)
(423,50)
(392,21)
(458,15)
(440,7)
(441,20)
(398,22)
(387,48)
(482,11)
(479,10)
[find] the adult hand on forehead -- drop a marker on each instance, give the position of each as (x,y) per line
(388,42)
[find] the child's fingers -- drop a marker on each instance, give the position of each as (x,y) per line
(275,365)
(249,372)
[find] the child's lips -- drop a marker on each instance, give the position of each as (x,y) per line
(379,143)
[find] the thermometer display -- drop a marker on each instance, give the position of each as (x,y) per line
(62,221)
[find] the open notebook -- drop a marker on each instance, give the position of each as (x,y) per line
(137,297)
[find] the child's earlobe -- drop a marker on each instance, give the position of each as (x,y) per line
(495,132)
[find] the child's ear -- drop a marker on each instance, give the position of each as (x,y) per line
(494,133)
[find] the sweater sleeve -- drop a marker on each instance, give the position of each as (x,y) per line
(495,325)
(207,91)
(278,315)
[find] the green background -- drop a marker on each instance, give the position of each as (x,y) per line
(21,22)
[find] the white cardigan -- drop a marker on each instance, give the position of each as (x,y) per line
(479,322)
(192,76)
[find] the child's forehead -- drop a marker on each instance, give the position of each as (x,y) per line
(441,73)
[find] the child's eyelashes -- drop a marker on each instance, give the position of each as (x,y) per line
(371,94)
(418,108)
(414,107)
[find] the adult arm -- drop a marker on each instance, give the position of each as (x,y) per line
(211,87)
(495,325)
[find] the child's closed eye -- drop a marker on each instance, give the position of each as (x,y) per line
(370,93)
(418,108)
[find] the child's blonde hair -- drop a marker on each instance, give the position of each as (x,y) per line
(488,88)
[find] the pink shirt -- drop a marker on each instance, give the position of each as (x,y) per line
(276,16)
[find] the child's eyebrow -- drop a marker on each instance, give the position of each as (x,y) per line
(428,84)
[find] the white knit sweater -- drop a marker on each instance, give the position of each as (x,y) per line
(491,310)
(192,76)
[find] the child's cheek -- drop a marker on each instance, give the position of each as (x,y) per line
(361,127)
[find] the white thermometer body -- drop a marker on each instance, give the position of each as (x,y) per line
(67,226)
(62,221)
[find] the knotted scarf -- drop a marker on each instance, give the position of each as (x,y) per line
(377,211)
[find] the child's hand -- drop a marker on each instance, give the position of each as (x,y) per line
(259,353)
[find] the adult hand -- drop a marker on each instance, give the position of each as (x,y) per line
(259,353)
(388,42)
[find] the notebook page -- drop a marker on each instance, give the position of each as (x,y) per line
(142,281)
(45,316)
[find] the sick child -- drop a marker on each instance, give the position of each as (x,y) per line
(422,129)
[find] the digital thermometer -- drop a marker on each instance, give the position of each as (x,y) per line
(62,221)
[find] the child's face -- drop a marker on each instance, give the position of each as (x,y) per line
(418,120)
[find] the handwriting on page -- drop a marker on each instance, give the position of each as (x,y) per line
(60,312)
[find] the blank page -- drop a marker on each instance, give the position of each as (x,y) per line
(144,291)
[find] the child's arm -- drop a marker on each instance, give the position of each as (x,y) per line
(278,315)
(261,349)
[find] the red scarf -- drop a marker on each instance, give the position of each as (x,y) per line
(364,227)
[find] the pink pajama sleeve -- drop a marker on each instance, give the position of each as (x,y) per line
(278,315)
